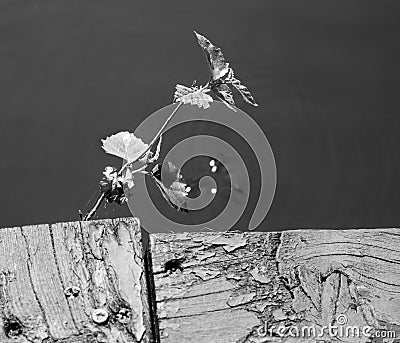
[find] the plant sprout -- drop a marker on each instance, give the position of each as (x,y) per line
(133,150)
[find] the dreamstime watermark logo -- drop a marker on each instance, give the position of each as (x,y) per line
(140,201)
(341,330)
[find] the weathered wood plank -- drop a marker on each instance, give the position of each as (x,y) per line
(278,287)
(18,299)
(55,279)
(208,287)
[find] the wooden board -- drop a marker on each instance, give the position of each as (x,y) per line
(54,279)
(291,286)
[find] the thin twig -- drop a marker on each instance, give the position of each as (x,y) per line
(152,142)
(93,211)
(141,169)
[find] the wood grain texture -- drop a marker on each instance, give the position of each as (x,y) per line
(292,286)
(54,277)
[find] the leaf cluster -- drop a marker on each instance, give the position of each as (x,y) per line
(135,152)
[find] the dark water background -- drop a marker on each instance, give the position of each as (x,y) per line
(325,73)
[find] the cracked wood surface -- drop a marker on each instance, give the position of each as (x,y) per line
(206,287)
(54,277)
(291,286)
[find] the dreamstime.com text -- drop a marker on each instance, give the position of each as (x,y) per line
(340,330)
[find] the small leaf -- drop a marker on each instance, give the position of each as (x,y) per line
(219,67)
(224,93)
(109,173)
(181,91)
(193,96)
(178,196)
(111,186)
(172,186)
(222,75)
(175,195)
(242,89)
(124,144)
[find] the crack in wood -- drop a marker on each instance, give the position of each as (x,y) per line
(311,273)
(60,276)
(355,255)
(342,243)
(103,258)
(151,295)
(35,292)
(378,280)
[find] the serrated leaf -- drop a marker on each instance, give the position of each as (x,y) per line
(219,67)
(180,91)
(124,144)
(220,71)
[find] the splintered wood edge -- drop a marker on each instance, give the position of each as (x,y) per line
(245,287)
(74,282)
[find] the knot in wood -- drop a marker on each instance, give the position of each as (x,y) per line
(174,264)
(12,327)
